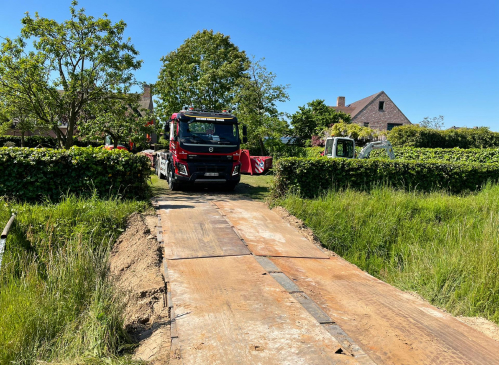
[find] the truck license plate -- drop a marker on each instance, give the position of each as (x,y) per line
(211,174)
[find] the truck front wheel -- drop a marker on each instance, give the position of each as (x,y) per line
(172,184)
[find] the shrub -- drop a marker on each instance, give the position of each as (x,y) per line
(311,176)
(32,174)
(473,155)
(416,136)
(313,151)
(48,142)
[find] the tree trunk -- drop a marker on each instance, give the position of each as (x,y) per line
(58,134)
(22,138)
(262,147)
(115,141)
(70,129)
(69,136)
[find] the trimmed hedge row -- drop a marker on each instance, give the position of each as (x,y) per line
(472,155)
(48,142)
(33,174)
(416,136)
(311,176)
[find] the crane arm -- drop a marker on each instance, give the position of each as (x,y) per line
(387,146)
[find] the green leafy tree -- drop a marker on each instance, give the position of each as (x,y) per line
(205,71)
(354,131)
(433,123)
(313,118)
(257,105)
(5,122)
(70,66)
(122,120)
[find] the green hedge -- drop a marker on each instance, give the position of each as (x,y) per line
(313,151)
(472,155)
(48,142)
(32,174)
(311,176)
(416,136)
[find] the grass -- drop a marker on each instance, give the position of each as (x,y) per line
(446,248)
(56,300)
(252,186)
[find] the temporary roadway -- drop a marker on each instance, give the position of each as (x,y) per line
(245,287)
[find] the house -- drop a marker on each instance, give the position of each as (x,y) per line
(377,111)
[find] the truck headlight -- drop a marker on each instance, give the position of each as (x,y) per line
(182,169)
(236,170)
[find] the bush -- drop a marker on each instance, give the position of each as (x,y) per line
(48,142)
(416,136)
(311,176)
(473,155)
(313,151)
(32,174)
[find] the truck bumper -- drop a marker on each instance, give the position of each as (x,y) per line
(202,173)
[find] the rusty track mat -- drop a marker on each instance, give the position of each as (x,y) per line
(391,326)
(228,310)
(197,229)
(265,233)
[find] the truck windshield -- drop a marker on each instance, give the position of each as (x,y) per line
(345,148)
(209,133)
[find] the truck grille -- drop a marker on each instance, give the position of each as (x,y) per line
(205,169)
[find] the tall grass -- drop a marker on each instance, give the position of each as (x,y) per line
(56,300)
(444,247)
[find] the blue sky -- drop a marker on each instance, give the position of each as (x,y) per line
(431,57)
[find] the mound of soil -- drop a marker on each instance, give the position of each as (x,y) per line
(136,265)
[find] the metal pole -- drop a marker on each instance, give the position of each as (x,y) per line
(3,237)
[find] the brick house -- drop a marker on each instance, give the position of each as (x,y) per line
(377,111)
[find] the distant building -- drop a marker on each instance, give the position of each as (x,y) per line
(377,111)
(145,102)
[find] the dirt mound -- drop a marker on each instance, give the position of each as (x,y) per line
(136,264)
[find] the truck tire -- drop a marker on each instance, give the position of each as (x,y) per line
(230,186)
(172,184)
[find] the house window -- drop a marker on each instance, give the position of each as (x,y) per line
(366,124)
(381,105)
(390,126)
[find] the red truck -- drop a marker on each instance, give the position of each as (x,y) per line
(204,148)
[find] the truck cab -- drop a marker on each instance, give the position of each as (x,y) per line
(339,147)
(204,148)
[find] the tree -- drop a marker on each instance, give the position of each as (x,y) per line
(313,118)
(205,72)
(257,105)
(354,131)
(433,123)
(23,121)
(5,122)
(72,65)
(122,120)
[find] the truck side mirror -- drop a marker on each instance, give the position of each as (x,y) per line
(245,131)
(245,139)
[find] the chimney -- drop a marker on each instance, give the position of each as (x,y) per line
(340,101)
(147,92)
